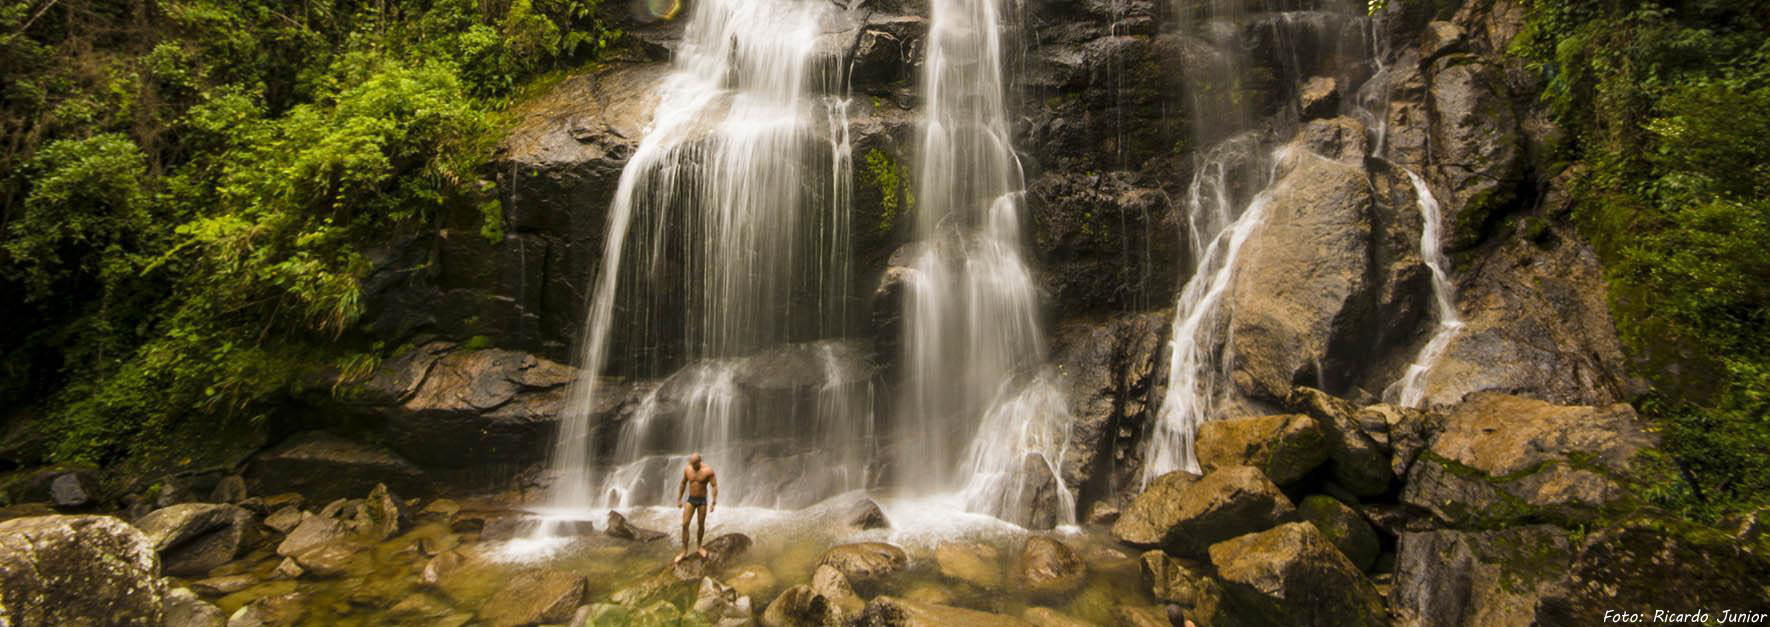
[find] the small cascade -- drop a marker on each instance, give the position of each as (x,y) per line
(728,236)
(972,307)
(1410,389)
(1199,341)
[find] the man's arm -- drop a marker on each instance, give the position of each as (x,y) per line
(713,482)
(681,486)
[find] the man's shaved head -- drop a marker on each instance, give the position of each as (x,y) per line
(694,458)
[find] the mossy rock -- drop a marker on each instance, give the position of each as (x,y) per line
(1345,528)
(1285,447)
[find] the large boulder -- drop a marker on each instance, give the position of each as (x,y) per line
(1476,144)
(1185,516)
(1294,576)
(1187,585)
(1360,458)
(1049,568)
(78,570)
(313,531)
(888,611)
(195,537)
(1515,576)
(1285,447)
(1345,528)
(1500,458)
(1303,288)
(534,597)
(325,467)
(721,551)
(865,562)
(1111,373)
(833,586)
(800,606)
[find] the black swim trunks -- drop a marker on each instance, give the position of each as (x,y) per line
(697,501)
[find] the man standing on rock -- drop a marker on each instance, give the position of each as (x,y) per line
(695,479)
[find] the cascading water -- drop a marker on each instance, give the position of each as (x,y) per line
(736,206)
(972,307)
(1410,389)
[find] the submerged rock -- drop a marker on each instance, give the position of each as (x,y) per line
(1047,617)
(313,531)
(755,581)
(78,570)
(969,562)
(1185,515)
(888,611)
(184,609)
(382,515)
(534,597)
(1293,575)
(271,611)
(195,537)
(865,562)
(1050,569)
(332,560)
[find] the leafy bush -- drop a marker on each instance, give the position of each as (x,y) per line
(1669,105)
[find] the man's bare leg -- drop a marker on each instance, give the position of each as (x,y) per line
(701,534)
(687,510)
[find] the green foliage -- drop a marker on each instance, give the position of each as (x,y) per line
(188,189)
(1669,104)
(888,176)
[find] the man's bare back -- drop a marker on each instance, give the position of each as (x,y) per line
(697,478)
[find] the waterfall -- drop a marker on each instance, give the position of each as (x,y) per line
(1410,389)
(728,235)
(972,322)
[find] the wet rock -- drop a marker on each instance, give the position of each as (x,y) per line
(1294,575)
(434,545)
(1111,373)
(440,510)
(1360,464)
(289,569)
(1047,617)
(534,597)
(382,515)
(976,564)
(865,562)
(78,570)
(888,611)
(1318,98)
(195,537)
(1050,569)
(656,613)
(722,551)
(334,559)
(867,515)
(618,527)
(184,609)
(1476,143)
(720,604)
(223,586)
(231,489)
(1501,458)
(420,608)
(1174,581)
(284,520)
(1142,616)
(834,587)
(324,467)
(800,606)
(1185,516)
(1513,576)
(1102,514)
(665,585)
(754,580)
(313,531)
(273,611)
(1342,526)
(1285,447)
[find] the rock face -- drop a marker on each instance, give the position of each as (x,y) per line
(972,563)
(1112,373)
(1294,576)
(1512,576)
(78,570)
(1501,458)
(325,467)
(1285,447)
(1050,569)
(1186,516)
(192,538)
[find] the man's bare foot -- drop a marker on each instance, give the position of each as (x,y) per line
(702,553)
(679,557)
